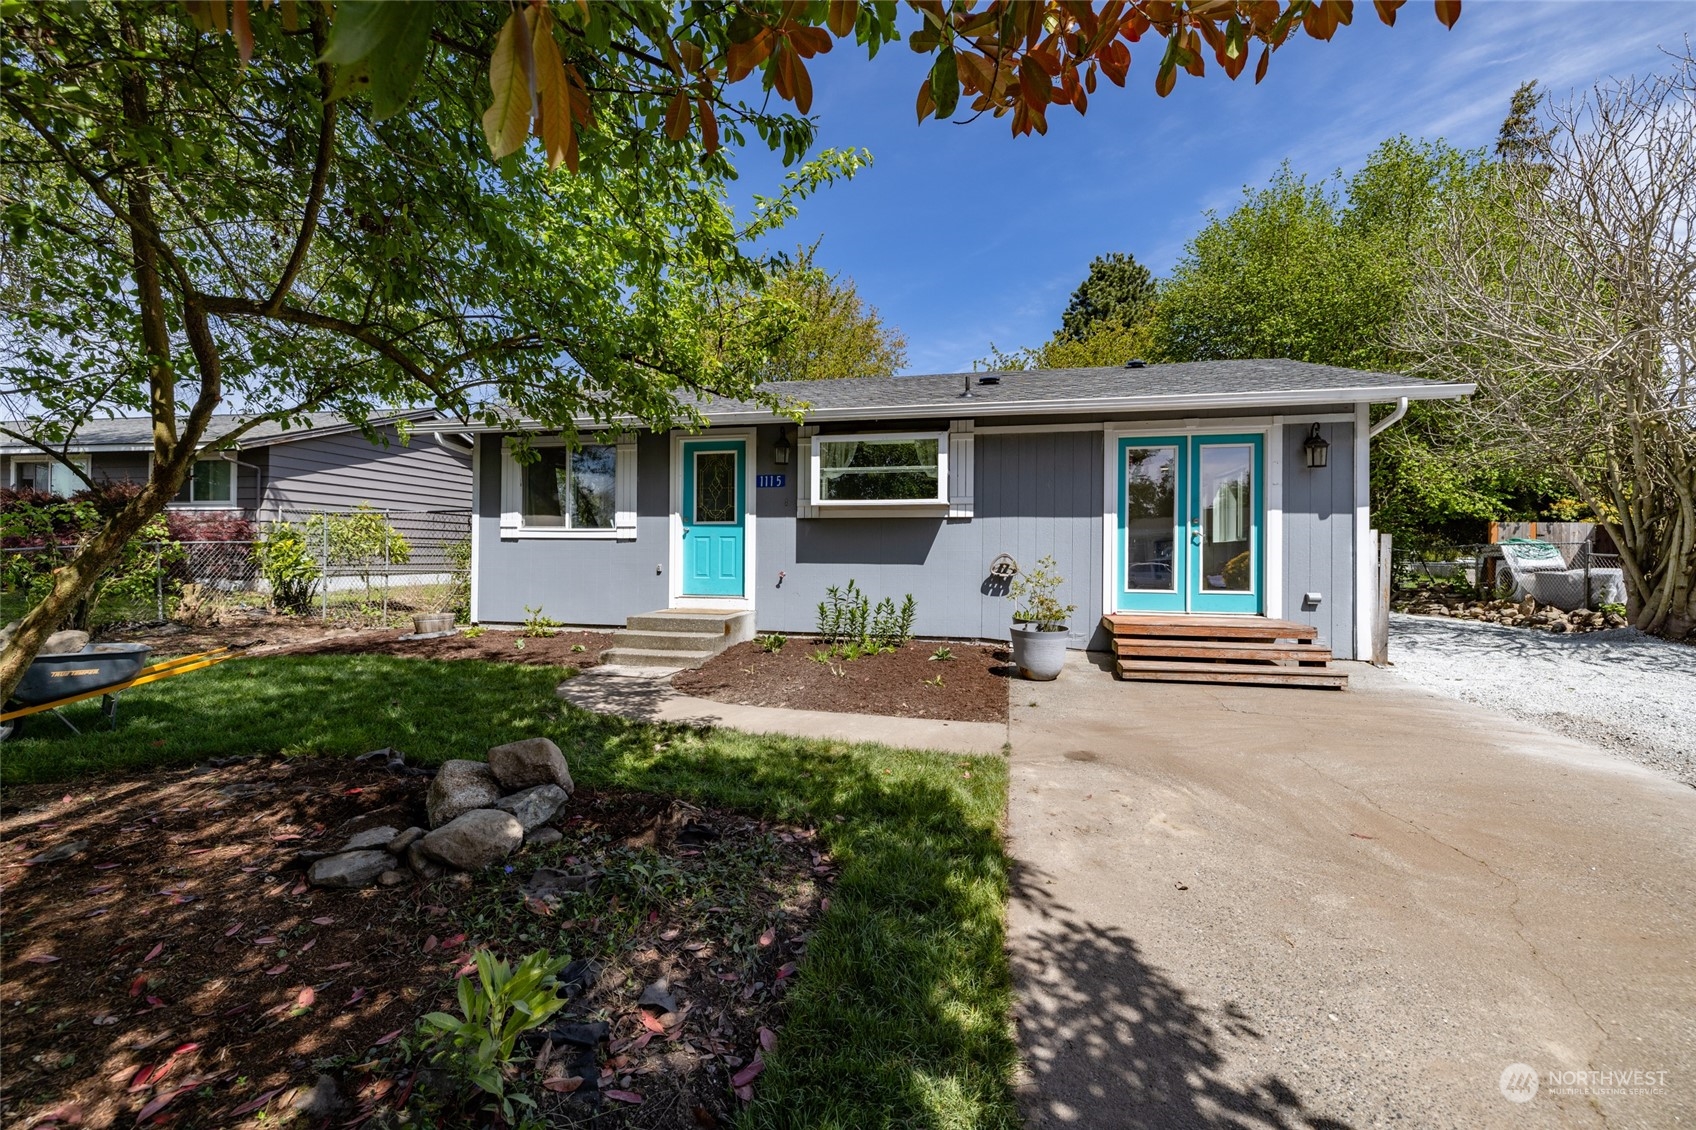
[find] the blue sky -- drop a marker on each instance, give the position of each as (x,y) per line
(962,235)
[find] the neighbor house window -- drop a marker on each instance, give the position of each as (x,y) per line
(571,490)
(47,475)
(211,482)
(880,470)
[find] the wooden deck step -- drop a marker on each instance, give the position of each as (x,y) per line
(1267,675)
(1206,627)
(1131,648)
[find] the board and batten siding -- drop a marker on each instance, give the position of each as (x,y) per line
(594,582)
(340,471)
(1319,536)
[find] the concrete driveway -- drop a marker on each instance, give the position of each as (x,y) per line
(1242,906)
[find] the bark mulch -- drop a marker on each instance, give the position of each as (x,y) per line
(901,683)
(176,969)
(278,635)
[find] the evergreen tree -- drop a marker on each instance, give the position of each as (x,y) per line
(1118,289)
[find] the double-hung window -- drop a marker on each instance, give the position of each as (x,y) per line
(887,470)
(210,482)
(586,491)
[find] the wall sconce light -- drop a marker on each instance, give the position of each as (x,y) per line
(781,450)
(1315,450)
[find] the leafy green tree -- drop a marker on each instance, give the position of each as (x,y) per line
(1118,290)
(803,323)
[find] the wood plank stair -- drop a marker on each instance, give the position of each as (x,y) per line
(1255,650)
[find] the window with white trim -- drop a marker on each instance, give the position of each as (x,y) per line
(210,482)
(891,469)
(586,491)
(47,475)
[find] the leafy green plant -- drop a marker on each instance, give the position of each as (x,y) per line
(936,682)
(502,1004)
(1036,594)
(941,655)
(289,566)
(359,541)
(474,631)
(538,626)
(577,647)
(852,627)
(459,580)
(1609,608)
(773,642)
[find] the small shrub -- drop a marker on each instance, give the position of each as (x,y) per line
(498,1007)
(459,580)
(577,647)
(773,643)
(936,682)
(287,563)
(852,627)
(941,655)
(474,631)
(1608,608)
(1036,595)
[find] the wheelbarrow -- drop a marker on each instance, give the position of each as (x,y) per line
(102,670)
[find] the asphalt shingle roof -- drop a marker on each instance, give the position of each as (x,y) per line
(137,431)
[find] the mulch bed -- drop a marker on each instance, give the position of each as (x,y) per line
(178,970)
(898,683)
(278,635)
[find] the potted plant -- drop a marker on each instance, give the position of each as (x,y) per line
(1039,623)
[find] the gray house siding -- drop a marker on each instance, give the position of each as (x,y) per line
(336,472)
(596,582)
(1319,536)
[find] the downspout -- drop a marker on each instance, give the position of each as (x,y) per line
(1391,419)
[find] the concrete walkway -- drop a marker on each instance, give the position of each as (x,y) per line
(1259,907)
(649,697)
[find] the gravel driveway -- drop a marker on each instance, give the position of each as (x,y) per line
(1631,694)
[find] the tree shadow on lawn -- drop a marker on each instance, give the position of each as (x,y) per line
(1112,1042)
(898,1016)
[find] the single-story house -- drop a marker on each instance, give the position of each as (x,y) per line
(271,472)
(1221,488)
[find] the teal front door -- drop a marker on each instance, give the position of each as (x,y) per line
(715,517)
(1191,524)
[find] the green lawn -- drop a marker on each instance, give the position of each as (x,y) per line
(901,1015)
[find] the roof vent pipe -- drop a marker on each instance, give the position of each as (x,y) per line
(1135,363)
(1387,421)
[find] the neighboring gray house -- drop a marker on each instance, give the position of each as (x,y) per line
(1180,489)
(328,464)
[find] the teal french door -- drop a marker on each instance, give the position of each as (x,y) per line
(715,517)
(1191,530)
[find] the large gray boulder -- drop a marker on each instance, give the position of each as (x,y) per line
(459,787)
(64,643)
(533,761)
(371,838)
(535,806)
(475,839)
(350,869)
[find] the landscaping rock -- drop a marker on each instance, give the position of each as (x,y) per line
(475,839)
(370,838)
(533,761)
(422,865)
(460,786)
(320,1102)
(543,837)
(59,854)
(535,806)
(406,839)
(393,878)
(549,883)
(64,643)
(350,869)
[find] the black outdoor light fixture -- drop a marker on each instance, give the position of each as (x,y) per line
(1315,450)
(781,450)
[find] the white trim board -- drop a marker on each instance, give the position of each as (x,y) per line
(1365,559)
(750,523)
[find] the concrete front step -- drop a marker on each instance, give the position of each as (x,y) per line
(656,640)
(685,620)
(648,657)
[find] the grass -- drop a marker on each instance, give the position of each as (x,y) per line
(900,1016)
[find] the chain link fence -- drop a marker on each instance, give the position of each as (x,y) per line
(356,567)
(1564,574)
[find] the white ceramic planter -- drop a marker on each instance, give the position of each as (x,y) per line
(1037,654)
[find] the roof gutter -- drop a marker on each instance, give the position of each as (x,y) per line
(1390,420)
(1300,398)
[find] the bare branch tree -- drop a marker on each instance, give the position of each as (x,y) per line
(1570,298)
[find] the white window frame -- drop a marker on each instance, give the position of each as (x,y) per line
(192,503)
(52,465)
(939,504)
(624,496)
